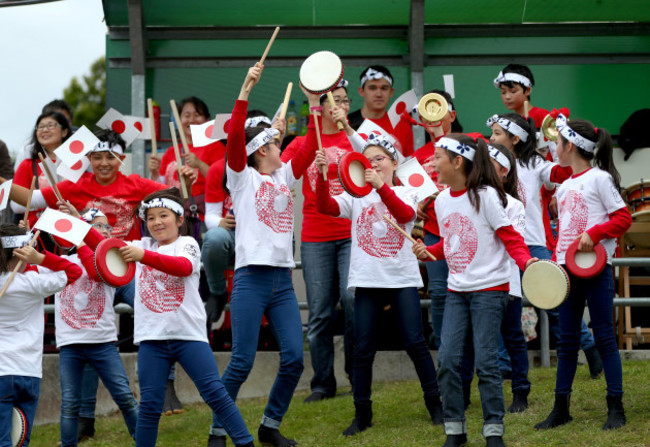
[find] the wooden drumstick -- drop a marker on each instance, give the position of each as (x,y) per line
(29,202)
(320,145)
(526,108)
(266,51)
(179,162)
(181,132)
(152,128)
(50,178)
(330,98)
(406,235)
(18,266)
(285,104)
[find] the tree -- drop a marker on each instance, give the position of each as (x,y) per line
(88,97)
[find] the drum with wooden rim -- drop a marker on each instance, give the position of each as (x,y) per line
(110,265)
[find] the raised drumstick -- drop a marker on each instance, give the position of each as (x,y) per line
(29,202)
(406,235)
(526,108)
(18,266)
(330,98)
(320,144)
(152,128)
(285,104)
(179,162)
(177,118)
(266,51)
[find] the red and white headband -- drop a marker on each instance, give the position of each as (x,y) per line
(456,146)
(512,77)
(500,158)
(508,125)
(261,139)
(573,136)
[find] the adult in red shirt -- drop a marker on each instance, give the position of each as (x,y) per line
(325,252)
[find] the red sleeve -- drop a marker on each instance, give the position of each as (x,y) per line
(515,245)
(167,157)
(324,202)
(57,264)
(290,151)
(400,210)
(87,257)
(236,145)
(24,174)
(307,152)
(172,265)
(618,223)
(437,250)
(93,238)
(560,174)
(214,192)
(404,133)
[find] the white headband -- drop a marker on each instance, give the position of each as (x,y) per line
(380,140)
(573,136)
(509,126)
(512,77)
(500,158)
(16,241)
(372,75)
(104,146)
(456,146)
(264,137)
(256,120)
(160,203)
(91,214)
(342,84)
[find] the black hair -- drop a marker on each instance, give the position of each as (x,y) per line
(521,70)
(525,151)
(479,172)
(56,105)
(380,69)
(323,97)
(172,193)
(60,119)
(198,103)
(456,127)
(603,156)
(113,138)
(510,185)
(8,229)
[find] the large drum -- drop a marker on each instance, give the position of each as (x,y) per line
(321,72)
(637,197)
(18,428)
(545,284)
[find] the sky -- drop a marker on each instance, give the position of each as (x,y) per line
(42,47)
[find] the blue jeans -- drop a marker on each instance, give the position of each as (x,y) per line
(368,303)
(515,344)
(437,271)
(598,293)
(325,268)
(480,312)
(263,290)
(154,360)
(105,359)
(21,392)
(217,254)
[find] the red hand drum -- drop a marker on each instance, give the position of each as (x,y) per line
(110,265)
(586,264)
(352,173)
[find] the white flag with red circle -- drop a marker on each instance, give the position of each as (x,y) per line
(221,126)
(411,174)
(63,225)
(141,124)
(368,126)
(74,148)
(119,123)
(405,102)
(202,134)
(5,189)
(74,172)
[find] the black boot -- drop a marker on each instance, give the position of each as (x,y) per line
(455,440)
(559,415)
(172,405)
(273,437)
(594,362)
(494,441)
(216,441)
(615,413)
(434,406)
(467,391)
(86,428)
(362,418)
(519,401)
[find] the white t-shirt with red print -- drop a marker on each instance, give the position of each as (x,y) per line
(169,307)
(517,217)
(380,257)
(83,311)
(263,206)
(531,178)
(585,200)
(476,257)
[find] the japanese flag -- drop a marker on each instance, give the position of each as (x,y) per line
(412,174)
(202,134)
(74,148)
(405,102)
(5,189)
(74,172)
(63,225)
(140,123)
(221,126)
(277,113)
(52,167)
(368,127)
(114,120)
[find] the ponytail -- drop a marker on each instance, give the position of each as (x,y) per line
(525,151)
(510,186)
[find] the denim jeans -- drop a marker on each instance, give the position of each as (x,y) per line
(105,359)
(325,268)
(481,312)
(515,344)
(155,357)
(21,392)
(368,303)
(264,290)
(217,254)
(437,272)
(598,293)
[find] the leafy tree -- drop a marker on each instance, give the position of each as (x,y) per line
(87,97)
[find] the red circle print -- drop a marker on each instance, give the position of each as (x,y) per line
(401,106)
(76,147)
(208,131)
(118,126)
(138,125)
(416,180)
(226,126)
(77,166)
(63,225)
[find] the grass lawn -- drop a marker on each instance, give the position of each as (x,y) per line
(400,418)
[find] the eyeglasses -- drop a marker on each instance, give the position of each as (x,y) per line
(48,126)
(345,101)
(377,159)
(101,226)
